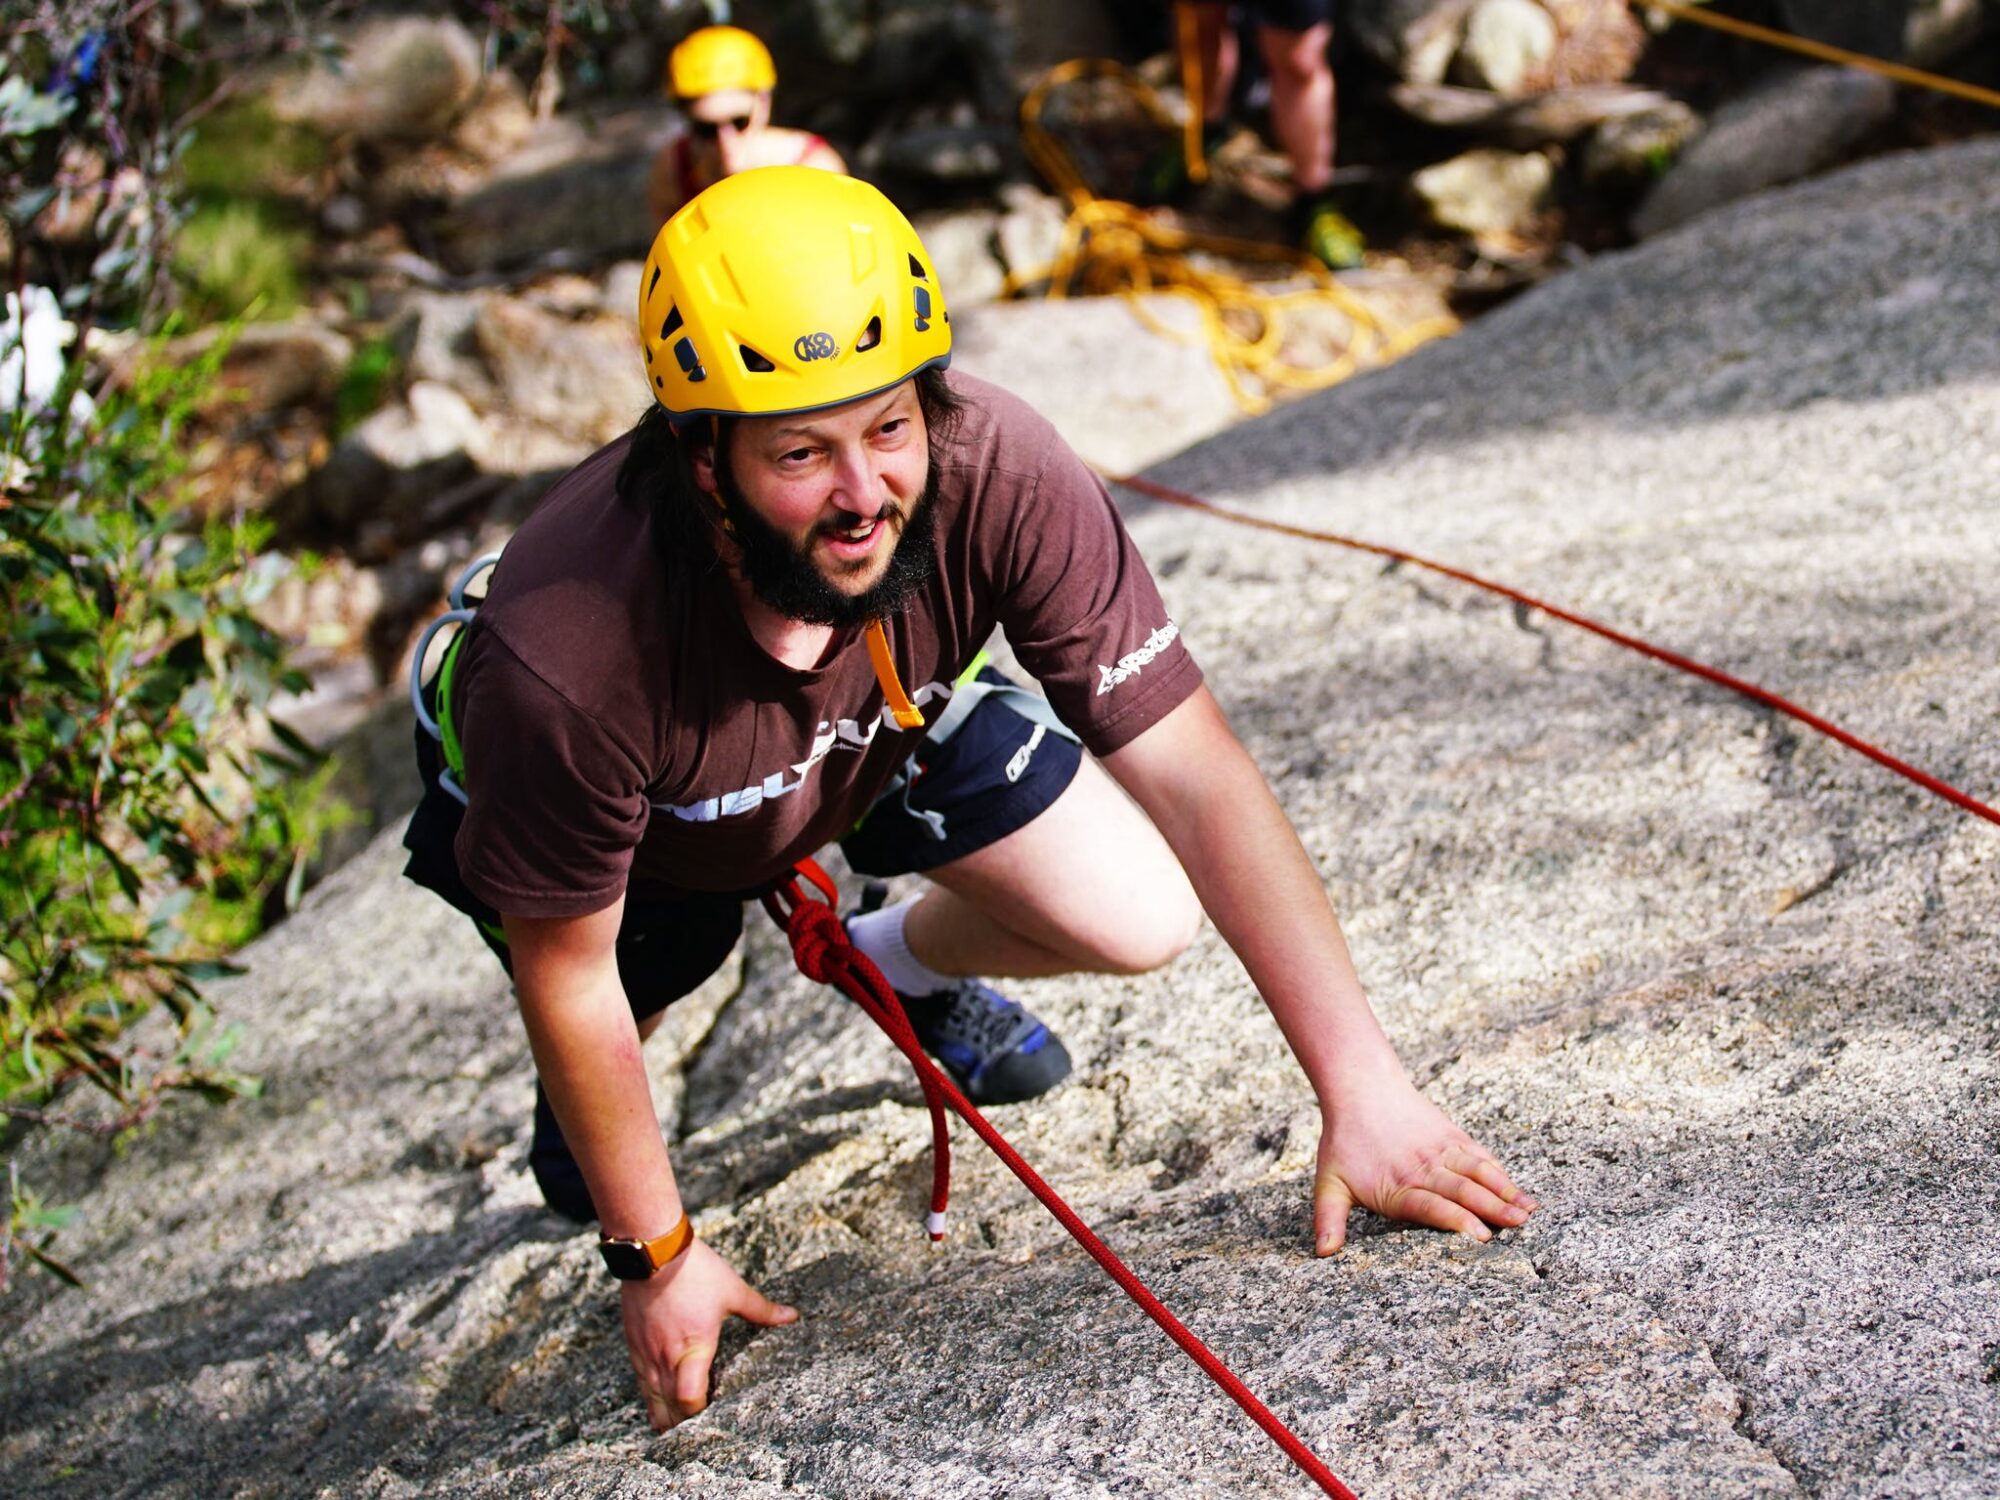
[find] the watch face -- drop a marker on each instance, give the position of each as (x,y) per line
(626,1259)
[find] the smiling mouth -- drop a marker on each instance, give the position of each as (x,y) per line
(860,531)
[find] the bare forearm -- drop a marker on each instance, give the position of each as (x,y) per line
(586,1050)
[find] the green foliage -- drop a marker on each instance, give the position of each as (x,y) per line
(364,383)
(148,806)
(236,258)
(243,151)
(1660,158)
(151,812)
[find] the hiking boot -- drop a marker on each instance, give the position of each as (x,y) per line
(1327,234)
(993,1047)
(555,1169)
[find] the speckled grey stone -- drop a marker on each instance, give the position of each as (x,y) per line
(1726,996)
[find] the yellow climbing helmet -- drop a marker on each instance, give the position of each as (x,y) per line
(717,58)
(785,289)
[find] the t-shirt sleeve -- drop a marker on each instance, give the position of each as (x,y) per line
(1080,607)
(555,806)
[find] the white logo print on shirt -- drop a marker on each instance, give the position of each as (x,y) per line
(847,734)
(1133,662)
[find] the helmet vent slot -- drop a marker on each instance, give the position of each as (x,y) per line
(754,362)
(653,285)
(917,269)
(673,323)
(870,336)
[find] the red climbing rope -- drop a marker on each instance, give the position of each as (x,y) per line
(1688,664)
(822,950)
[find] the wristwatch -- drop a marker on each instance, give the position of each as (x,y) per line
(637,1260)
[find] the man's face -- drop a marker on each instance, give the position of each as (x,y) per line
(831,508)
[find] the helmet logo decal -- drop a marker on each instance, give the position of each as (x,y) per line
(923,309)
(812,346)
(690,361)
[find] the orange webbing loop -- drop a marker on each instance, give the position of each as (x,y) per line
(908,715)
(1187,28)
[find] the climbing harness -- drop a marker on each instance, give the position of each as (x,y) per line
(967,692)
(1901,72)
(1110,248)
(822,950)
(451,776)
(1673,659)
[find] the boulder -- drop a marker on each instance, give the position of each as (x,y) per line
(1540,119)
(944,156)
(1030,232)
(1485,191)
(379,477)
(1639,147)
(434,332)
(581,378)
(573,194)
(269,366)
(1061,355)
(1600,42)
(398,79)
(1797,123)
(1924,32)
(1414,39)
(1506,43)
(964,252)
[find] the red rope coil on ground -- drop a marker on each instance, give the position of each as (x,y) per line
(821,948)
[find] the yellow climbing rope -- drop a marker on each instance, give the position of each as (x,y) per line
(1111,248)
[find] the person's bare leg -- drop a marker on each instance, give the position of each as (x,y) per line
(1302,100)
(1089,885)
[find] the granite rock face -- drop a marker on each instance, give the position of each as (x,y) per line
(1724,995)
(1791,126)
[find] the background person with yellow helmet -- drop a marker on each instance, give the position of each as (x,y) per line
(700,659)
(723,77)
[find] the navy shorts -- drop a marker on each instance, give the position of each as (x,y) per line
(997,772)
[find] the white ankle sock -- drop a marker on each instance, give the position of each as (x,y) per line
(879,934)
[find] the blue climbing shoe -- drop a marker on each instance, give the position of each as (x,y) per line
(994,1049)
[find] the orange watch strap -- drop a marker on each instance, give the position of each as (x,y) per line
(667,1246)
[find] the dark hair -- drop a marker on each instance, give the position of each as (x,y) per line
(657,474)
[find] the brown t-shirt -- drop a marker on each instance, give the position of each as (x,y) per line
(622,728)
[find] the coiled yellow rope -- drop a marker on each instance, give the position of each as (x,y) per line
(1111,248)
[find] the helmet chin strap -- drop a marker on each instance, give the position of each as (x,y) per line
(907,714)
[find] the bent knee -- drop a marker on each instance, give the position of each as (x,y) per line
(1154,935)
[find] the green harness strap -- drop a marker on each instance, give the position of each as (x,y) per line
(454,752)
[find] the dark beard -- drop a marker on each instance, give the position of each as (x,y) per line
(786,579)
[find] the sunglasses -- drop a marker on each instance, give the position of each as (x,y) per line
(710,130)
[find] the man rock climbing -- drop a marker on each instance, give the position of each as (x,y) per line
(707,654)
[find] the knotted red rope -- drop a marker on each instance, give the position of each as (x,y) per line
(821,948)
